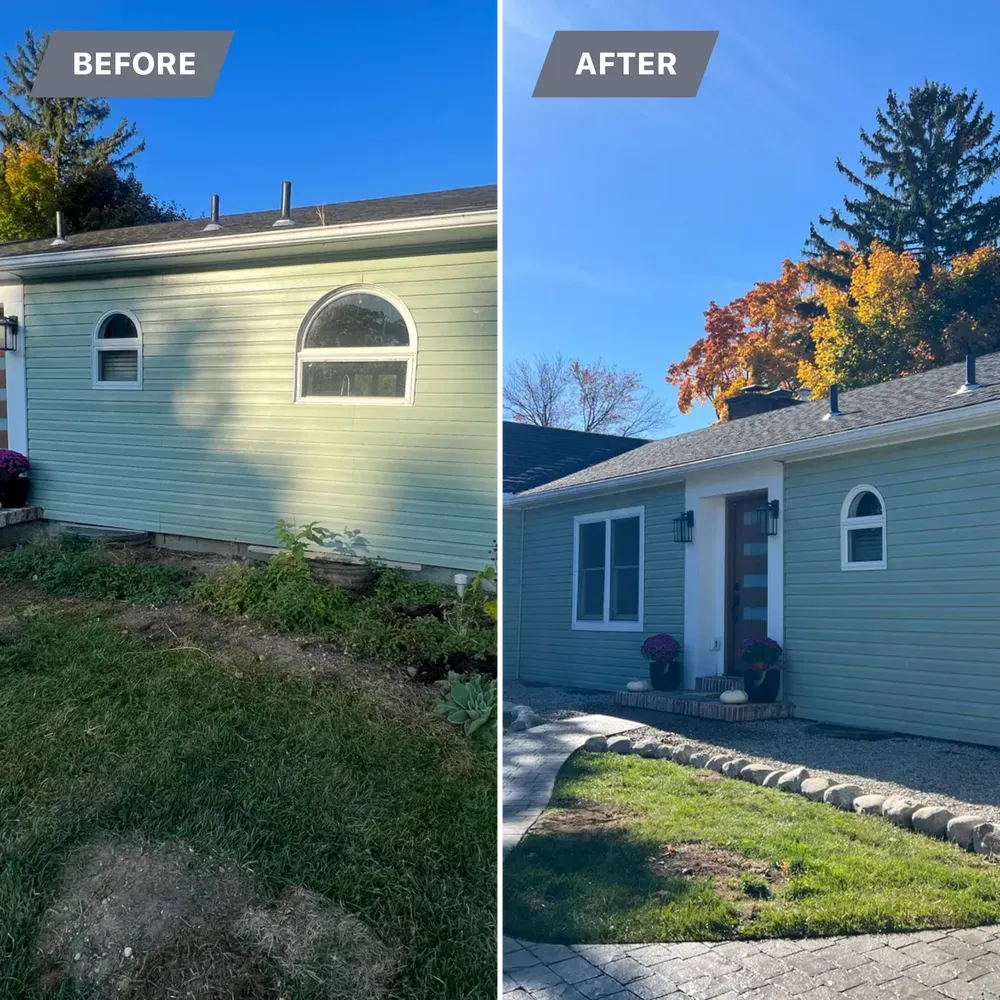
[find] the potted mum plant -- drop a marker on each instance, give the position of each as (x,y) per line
(664,670)
(762,678)
(13,478)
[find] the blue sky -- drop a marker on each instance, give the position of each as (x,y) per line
(624,218)
(346,100)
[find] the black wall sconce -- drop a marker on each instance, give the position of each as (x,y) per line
(684,527)
(767,518)
(8,332)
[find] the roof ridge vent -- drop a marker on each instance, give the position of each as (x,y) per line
(60,240)
(970,375)
(213,222)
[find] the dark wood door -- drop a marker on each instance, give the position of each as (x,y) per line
(747,575)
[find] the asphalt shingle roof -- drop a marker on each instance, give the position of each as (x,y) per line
(535,455)
(912,396)
(376,210)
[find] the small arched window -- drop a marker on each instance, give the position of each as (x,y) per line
(117,343)
(356,345)
(862,530)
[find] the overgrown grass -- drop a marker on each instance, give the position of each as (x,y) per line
(836,872)
(279,594)
(304,782)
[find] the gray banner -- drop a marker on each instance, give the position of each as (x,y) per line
(131,64)
(625,64)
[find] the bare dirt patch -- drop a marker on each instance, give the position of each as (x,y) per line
(137,920)
(579,819)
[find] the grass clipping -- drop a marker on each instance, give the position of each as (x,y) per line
(158,921)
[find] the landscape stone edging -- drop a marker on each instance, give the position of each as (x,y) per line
(971,833)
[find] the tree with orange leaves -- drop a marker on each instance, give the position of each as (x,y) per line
(758,338)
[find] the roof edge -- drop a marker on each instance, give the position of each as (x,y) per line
(455,221)
(906,429)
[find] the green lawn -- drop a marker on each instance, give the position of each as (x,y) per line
(823,872)
(391,813)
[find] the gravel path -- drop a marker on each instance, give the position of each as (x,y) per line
(962,777)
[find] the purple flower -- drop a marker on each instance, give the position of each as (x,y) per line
(12,463)
(660,648)
(760,649)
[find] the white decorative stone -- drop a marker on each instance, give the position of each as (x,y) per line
(621,746)
(899,810)
(596,744)
(986,839)
(733,697)
(682,754)
(791,781)
(869,805)
(699,759)
(842,796)
(646,750)
(932,820)
(814,788)
(772,779)
(663,751)
(639,686)
(732,768)
(959,830)
(716,761)
(757,773)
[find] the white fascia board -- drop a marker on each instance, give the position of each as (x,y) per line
(266,239)
(927,425)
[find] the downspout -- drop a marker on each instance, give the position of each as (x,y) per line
(520,597)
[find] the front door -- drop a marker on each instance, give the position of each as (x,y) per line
(746,547)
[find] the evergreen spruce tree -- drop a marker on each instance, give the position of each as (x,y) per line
(923,171)
(94,167)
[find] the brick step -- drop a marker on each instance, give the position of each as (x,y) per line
(704,706)
(718,682)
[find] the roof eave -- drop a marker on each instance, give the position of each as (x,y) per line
(463,225)
(974,417)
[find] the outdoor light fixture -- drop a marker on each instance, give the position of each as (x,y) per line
(767,518)
(8,326)
(684,527)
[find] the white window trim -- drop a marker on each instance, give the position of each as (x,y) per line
(848,523)
(607,625)
(115,344)
(407,354)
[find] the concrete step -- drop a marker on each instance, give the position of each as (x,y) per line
(718,682)
(19,515)
(703,705)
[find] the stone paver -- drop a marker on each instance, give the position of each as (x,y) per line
(927,965)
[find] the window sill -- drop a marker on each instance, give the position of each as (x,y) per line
(128,386)
(607,626)
(861,567)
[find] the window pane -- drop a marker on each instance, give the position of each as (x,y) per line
(866,505)
(625,542)
(118,366)
(357,320)
(625,569)
(864,545)
(590,586)
(117,326)
(755,548)
(758,614)
(751,580)
(358,379)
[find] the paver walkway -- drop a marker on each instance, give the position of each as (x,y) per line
(927,965)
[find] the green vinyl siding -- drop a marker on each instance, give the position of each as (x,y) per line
(511,583)
(551,651)
(912,648)
(214,445)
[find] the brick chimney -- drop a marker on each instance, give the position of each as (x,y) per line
(754,399)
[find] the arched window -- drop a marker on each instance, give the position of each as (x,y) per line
(862,530)
(117,342)
(356,345)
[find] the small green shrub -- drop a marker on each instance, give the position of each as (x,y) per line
(755,886)
(69,565)
(472,704)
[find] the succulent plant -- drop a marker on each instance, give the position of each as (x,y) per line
(471,702)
